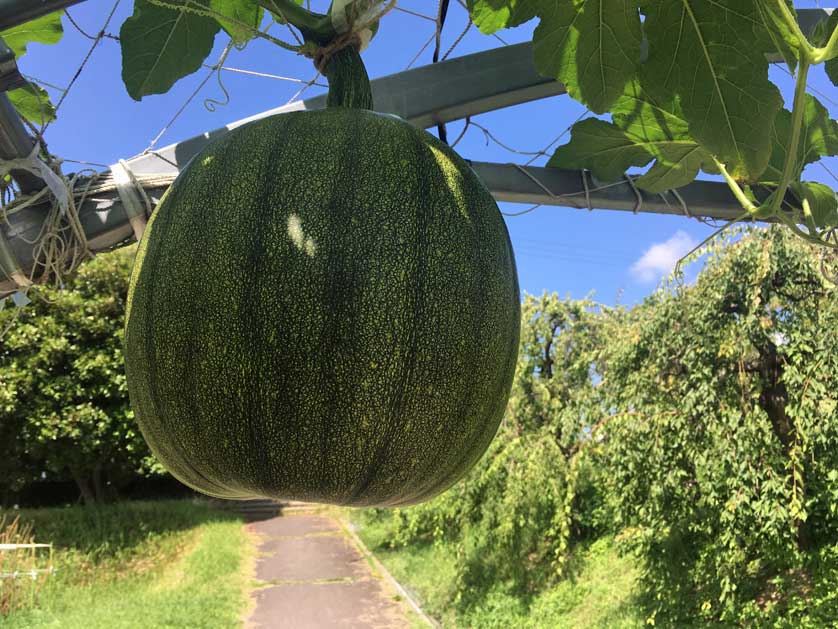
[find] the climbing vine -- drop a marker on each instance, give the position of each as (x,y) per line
(679,86)
(699,428)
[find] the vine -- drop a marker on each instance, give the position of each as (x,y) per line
(684,83)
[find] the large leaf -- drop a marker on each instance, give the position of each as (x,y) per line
(246,16)
(33,103)
(819,138)
(783,39)
(161,46)
(591,46)
(710,55)
(493,15)
(46,29)
(822,202)
(602,147)
(643,129)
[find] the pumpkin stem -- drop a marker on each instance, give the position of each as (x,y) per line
(349,84)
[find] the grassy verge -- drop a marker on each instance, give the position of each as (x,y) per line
(600,593)
(141,564)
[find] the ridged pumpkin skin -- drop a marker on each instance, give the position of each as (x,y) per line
(324,307)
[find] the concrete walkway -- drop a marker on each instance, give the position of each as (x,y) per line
(314,576)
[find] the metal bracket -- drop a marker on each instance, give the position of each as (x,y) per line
(10,77)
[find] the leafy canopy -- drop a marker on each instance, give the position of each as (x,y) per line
(64,406)
(682,86)
(686,87)
(700,428)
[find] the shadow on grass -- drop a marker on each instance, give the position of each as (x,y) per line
(108,530)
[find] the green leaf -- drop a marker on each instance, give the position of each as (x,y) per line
(493,15)
(244,13)
(819,137)
(677,166)
(643,129)
(162,45)
(593,47)
(277,15)
(46,29)
(822,202)
(831,66)
(33,103)
(783,39)
(602,147)
(710,55)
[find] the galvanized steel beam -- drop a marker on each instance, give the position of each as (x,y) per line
(107,223)
(14,12)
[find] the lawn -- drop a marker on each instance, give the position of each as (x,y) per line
(599,594)
(173,563)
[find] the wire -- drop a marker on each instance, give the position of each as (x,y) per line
(262,74)
(559,137)
(810,88)
(300,91)
(494,139)
(421,50)
(827,169)
(191,97)
(44,83)
(459,39)
(85,33)
(81,66)
(422,15)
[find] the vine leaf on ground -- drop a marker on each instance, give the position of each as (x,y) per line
(493,15)
(244,12)
(162,45)
(643,129)
(33,103)
(46,29)
(593,47)
(710,55)
(819,138)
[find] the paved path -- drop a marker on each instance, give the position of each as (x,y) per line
(315,577)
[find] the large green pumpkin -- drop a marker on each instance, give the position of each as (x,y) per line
(324,307)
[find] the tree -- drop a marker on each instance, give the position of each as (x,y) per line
(64,404)
(722,448)
(510,536)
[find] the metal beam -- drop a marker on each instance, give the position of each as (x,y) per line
(14,12)
(580,190)
(10,77)
(107,224)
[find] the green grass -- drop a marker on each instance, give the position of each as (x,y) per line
(140,564)
(599,594)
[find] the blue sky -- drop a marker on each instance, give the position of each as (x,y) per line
(617,255)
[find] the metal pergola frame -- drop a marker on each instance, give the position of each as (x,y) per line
(425,96)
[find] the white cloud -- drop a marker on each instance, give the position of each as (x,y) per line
(661,258)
